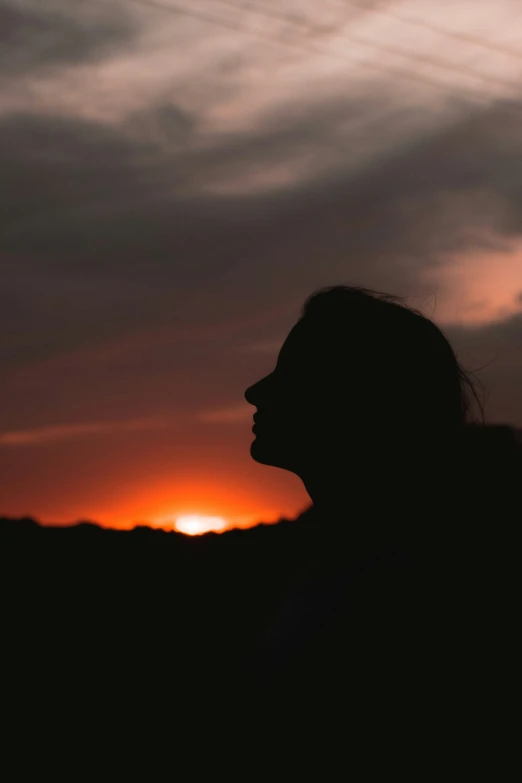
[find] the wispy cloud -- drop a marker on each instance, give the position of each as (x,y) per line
(232,415)
(50,434)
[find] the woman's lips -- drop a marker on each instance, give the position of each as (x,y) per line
(257,421)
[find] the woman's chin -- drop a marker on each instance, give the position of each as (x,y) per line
(261,450)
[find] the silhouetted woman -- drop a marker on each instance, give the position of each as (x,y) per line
(365,395)
(369,406)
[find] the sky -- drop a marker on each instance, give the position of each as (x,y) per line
(179,176)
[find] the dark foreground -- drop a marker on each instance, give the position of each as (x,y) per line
(143,640)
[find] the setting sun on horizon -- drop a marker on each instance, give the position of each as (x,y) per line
(196,524)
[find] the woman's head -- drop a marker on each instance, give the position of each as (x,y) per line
(359,376)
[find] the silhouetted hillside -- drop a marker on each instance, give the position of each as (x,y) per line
(134,620)
(142,578)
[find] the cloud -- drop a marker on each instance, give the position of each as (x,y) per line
(43,435)
(58,34)
(100,235)
(234,414)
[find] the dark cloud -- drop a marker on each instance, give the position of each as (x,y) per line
(107,233)
(442,193)
(168,127)
(50,34)
(61,165)
(95,221)
(54,164)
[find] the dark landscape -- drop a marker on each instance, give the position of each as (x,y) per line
(138,620)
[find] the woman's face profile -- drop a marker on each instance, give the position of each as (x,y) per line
(294,406)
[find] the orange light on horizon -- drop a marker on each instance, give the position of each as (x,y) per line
(165,503)
(196,524)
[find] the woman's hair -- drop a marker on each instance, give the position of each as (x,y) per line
(402,365)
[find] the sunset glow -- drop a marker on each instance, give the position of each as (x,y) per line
(195,525)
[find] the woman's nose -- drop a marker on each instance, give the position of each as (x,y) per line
(258,392)
(250,394)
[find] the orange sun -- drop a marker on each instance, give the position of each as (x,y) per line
(195,524)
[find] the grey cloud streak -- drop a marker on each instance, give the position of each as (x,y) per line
(38,35)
